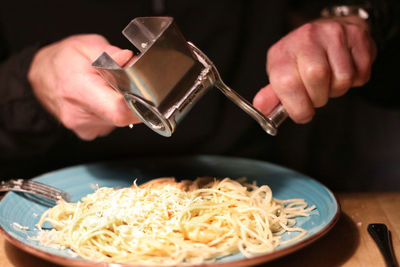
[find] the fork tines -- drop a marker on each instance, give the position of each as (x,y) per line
(45,190)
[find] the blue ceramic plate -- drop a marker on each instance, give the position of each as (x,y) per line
(79,180)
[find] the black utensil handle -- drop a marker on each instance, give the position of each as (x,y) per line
(380,233)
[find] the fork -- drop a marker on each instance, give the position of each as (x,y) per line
(382,237)
(35,188)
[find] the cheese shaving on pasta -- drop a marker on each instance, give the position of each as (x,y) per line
(173,223)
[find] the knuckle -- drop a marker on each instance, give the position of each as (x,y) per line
(308,32)
(95,36)
(353,28)
(343,81)
(335,28)
(286,83)
(86,136)
(320,101)
(364,66)
(270,58)
(303,116)
(118,119)
(307,29)
(362,78)
(74,40)
(366,63)
(316,72)
(358,33)
(338,92)
(275,50)
(79,38)
(68,121)
(84,42)
(68,117)
(105,131)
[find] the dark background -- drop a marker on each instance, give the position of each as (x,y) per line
(352,143)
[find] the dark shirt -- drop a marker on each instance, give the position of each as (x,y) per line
(351,144)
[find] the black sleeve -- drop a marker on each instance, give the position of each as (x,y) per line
(26,128)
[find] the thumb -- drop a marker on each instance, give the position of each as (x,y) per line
(265,100)
(122,57)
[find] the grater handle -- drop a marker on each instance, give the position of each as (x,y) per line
(269,123)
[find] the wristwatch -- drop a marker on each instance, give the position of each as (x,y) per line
(344,10)
(363,11)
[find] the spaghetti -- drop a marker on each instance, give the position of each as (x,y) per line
(169,223)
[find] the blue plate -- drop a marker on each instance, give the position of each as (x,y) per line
(16,209)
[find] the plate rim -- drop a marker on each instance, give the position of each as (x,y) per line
(54,258)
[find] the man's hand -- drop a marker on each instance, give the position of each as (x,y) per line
(67,85)
(319,60)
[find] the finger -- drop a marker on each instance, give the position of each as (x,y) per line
(315,73)
(288,86)
(93,45)
(265,100)
(340,60)
(91,132)
(83,122)
(122,56)
(97,95)
(110,104)
(363,51)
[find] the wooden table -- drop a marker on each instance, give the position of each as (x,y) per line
(347,244)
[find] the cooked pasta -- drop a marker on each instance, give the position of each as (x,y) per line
(169,223)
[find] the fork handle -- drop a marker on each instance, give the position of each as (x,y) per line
(380,233)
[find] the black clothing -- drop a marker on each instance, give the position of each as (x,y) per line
(351,144)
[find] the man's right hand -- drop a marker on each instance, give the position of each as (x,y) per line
(64,81)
